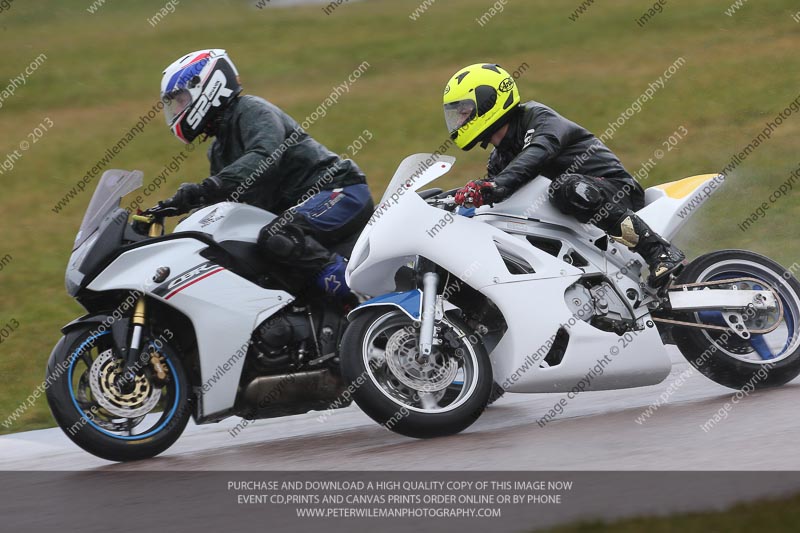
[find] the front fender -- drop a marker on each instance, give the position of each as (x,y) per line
(410,302)
(89,318)
(98,323)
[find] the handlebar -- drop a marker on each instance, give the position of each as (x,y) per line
(448,203)
(160,211)
(166,209)
(151,221)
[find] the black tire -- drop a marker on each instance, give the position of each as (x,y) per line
(377,404)
(715,354)
(84,427)
(497,393)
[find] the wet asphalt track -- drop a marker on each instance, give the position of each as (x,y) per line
(597,431)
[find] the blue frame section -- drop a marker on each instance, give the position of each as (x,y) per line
(410,302)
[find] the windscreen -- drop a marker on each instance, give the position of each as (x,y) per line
(113,185)
(415,172)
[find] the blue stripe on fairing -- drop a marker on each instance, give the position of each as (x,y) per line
(98,428)
(409,301)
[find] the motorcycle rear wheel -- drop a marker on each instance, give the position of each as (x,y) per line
(767,360)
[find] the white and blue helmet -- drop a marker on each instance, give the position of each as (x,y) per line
(195,88)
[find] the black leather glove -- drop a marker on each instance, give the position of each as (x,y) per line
(191,195)
(495,193)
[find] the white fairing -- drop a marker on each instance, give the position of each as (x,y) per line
(666,210)
(227,221)
(223,307)
(414,172)
(533,304)
(669,206)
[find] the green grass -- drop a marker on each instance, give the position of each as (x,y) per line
(776,516)
(103,71)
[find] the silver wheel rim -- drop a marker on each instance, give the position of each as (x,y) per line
(374,359)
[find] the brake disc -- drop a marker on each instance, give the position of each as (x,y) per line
(432,374)
(104,376)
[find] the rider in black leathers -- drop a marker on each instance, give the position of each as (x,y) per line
(261,156)
(588,181)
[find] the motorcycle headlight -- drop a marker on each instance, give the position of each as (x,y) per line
(80,254)
(74,276)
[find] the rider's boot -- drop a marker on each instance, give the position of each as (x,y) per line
(331,278)
(663,259)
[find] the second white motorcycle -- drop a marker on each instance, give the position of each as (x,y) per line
(523,297)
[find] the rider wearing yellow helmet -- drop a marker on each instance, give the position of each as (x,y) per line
(482,105)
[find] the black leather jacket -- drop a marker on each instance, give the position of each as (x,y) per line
(540,141)
(266,156)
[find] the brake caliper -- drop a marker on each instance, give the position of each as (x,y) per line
(159,366)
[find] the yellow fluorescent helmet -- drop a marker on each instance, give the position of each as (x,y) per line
(477,102)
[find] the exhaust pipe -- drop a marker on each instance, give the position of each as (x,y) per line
(295,393)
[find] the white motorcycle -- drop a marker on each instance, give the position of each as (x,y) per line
(193,323)
(523,296)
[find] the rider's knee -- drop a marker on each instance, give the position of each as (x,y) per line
(282,241)
(573,193)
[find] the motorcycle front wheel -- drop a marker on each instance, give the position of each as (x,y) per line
(108,416)
(416,396)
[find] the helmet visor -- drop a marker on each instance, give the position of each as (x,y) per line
(176,103)
(456,114)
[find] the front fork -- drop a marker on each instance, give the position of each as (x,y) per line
(140,312)
(135,348)
(430,284)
